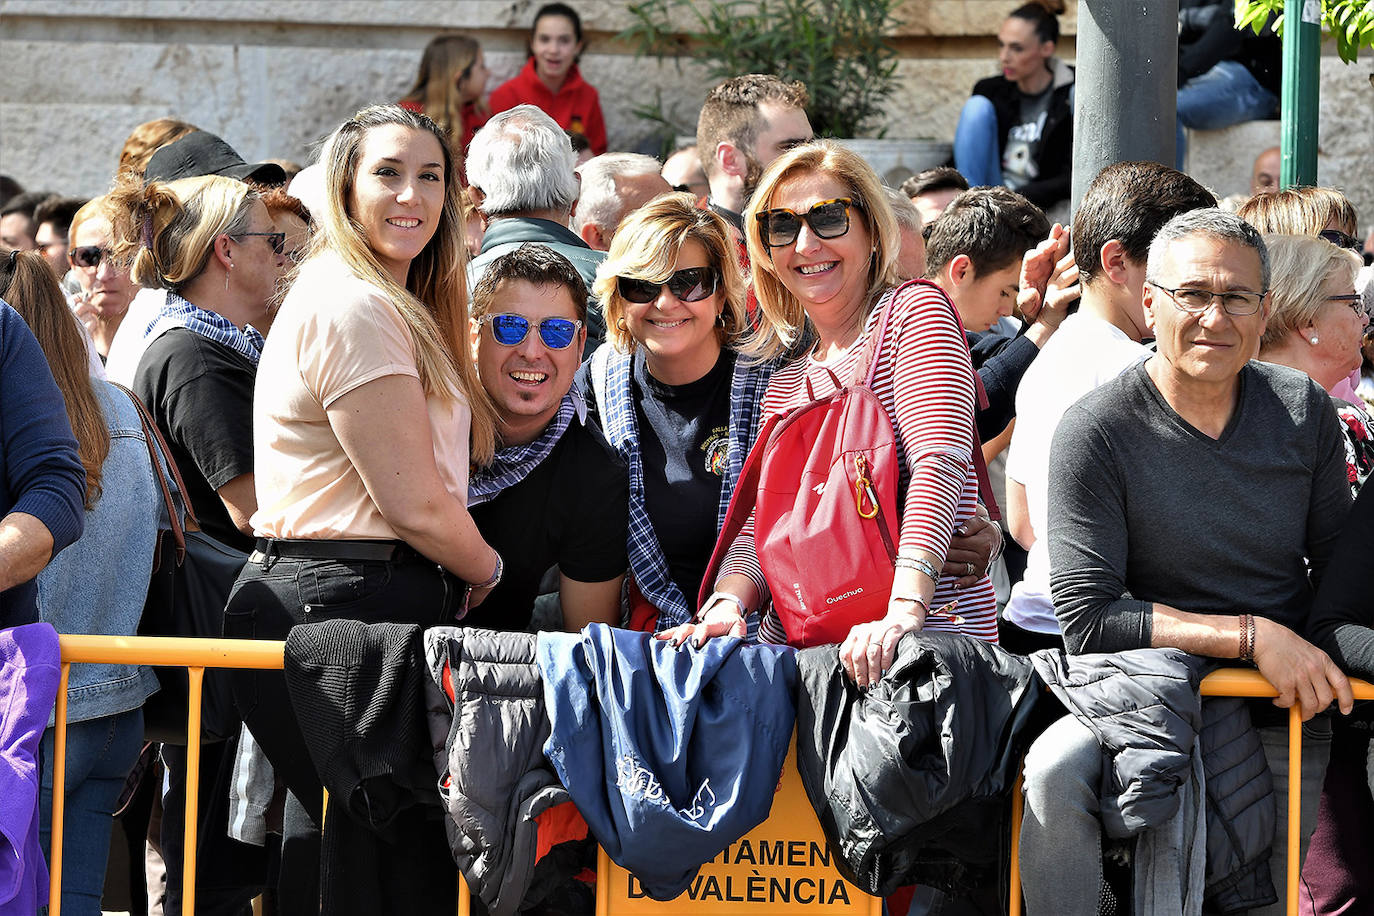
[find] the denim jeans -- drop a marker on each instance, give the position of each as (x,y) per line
(1061,834)
(100,754)
(977,153)
(1225,95)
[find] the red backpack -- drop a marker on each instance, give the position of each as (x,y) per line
(821,481)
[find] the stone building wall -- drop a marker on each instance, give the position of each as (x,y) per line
(273,76)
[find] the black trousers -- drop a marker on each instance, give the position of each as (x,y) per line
(275,593)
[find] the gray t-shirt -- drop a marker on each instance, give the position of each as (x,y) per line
(1022,151)
(1143,507)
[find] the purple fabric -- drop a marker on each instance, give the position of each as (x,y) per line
(1336,876)
(29,672)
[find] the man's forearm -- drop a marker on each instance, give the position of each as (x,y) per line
(25,548)
(1213,635)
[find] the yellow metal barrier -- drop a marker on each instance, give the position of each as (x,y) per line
(793,820)
(1228,682)
(195,655)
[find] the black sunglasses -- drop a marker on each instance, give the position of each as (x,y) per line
(1340,239)
(276,239)
(828,219)
(509,329)
(691,284)
(88,256)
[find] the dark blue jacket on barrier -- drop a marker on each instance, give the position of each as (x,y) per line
(670,754)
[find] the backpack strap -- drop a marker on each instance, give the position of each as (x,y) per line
(867,366)
(741,506)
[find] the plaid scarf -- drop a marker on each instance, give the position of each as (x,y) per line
(176,312)
(512,465)
(611,376)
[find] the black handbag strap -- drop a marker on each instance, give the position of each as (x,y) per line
(173,496)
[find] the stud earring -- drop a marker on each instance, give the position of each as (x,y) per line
(1313,340)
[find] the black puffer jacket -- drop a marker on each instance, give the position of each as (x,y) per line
(910,779)
(1143,706)
(487,724)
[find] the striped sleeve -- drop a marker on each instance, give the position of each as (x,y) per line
(925,381)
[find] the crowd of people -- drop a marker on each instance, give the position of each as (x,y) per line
(453,372)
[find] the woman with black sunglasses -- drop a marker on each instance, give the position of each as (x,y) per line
(106,287)
(672,394)
(367,413)
(824,243)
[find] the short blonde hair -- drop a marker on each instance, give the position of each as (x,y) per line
(168,230)
(783,319)
(1301,266)
(95,208)
(1298,211)
(646,247)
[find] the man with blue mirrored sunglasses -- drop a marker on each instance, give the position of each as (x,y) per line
(556,496)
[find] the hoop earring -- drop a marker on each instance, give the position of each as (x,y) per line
(620,323)
(720,319)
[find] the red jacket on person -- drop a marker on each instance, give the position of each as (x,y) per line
(576,107)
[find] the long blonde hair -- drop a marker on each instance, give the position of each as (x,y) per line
(434,302)
(447,59)
(782,317)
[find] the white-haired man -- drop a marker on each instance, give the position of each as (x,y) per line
(1194,499)
(520,174)
(614,185)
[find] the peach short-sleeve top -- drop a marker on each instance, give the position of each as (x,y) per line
(333,334)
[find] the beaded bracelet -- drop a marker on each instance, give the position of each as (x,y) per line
(496,574)
(1247,637)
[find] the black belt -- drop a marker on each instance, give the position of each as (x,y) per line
(266,548)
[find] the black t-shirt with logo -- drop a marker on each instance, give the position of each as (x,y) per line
(684,435)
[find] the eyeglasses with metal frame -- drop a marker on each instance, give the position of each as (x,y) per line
(1195,301)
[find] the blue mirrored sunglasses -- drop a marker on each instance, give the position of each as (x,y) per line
(509,329)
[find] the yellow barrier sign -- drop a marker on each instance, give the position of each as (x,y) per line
(782,867)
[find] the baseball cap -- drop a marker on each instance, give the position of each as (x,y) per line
(202,153)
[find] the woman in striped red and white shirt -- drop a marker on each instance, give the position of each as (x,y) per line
(824,246)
